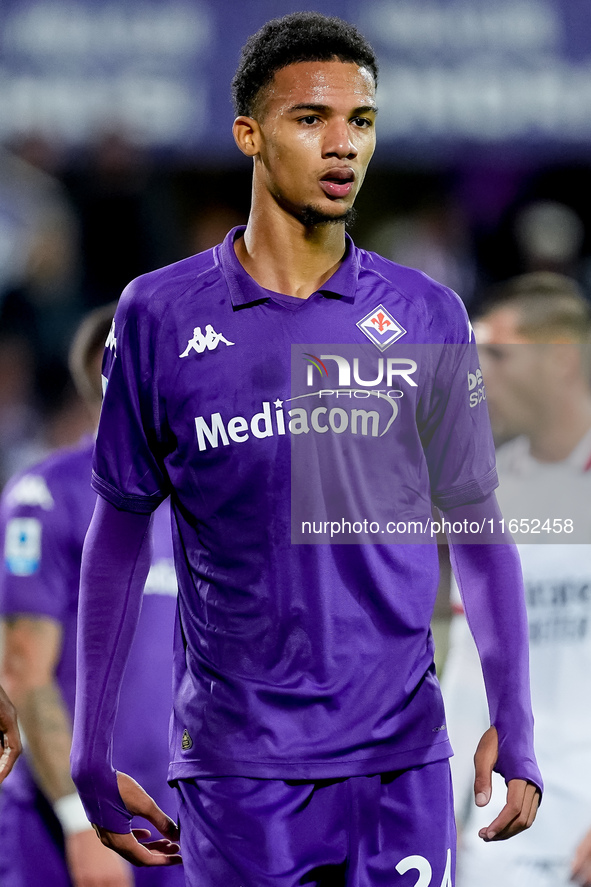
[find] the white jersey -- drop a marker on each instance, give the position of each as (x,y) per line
(557,578)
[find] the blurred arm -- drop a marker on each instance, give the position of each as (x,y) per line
(10,740)
(581,867)
(32,649)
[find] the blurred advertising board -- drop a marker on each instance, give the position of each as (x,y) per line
(457,76)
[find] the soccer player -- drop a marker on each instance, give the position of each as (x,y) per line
(45,837)
(308,741)
(535,354)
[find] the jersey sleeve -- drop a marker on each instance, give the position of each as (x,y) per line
(115,564)
(128,471)
(490,581)
(453,419)
(36,575)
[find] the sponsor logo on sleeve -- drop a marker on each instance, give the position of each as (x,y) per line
(476,388)
(22,546)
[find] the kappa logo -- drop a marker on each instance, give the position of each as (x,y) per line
(32,490)
(111,342)
(202,341)
(381,328)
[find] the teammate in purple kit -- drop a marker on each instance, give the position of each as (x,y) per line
(45,837)
(308,740)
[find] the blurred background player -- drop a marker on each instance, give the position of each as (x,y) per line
(9,736)
(44,515)
(536,365)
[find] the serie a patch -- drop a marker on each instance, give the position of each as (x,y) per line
(22,546)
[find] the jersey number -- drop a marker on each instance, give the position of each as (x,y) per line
(423,867)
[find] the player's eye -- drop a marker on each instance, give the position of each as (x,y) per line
(362,122)
(309,119)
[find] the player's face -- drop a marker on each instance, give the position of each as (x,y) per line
(316,136)
(518,375)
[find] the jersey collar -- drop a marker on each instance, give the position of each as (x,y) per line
(246,292)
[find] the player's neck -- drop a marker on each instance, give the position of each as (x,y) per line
(556,438)
(285,256)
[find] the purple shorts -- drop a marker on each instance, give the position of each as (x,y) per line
(390,830)
(32,849)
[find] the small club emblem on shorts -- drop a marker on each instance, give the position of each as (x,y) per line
(187,742)
(381,328)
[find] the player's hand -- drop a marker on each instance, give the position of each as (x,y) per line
(164,851)
(581,867)
(522,797)
(92,865)
(9,736)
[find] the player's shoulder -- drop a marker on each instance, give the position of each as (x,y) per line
(151,294)
(429,300)
(44,485)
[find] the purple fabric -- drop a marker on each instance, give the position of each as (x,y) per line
(30,833)
(53,503)
(491,585)
(291,661)
(44,514)
(32,851)
(283,654)
(115,565)
(374,831)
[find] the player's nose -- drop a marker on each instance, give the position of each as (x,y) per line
(338,141)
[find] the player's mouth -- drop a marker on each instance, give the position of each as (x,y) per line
(338,182)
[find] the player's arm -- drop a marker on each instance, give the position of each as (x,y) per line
(490,582)
(31,653)
(467,715)
(115,564)
(581,867)
(10,739)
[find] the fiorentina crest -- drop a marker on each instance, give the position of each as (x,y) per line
(381,328)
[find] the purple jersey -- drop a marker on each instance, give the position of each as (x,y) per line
(44,515)
(295,660)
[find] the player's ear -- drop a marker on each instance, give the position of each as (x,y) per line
(246,132)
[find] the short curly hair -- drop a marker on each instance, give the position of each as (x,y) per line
(298,37)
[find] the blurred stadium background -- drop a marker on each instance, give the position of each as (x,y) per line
(116,157)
